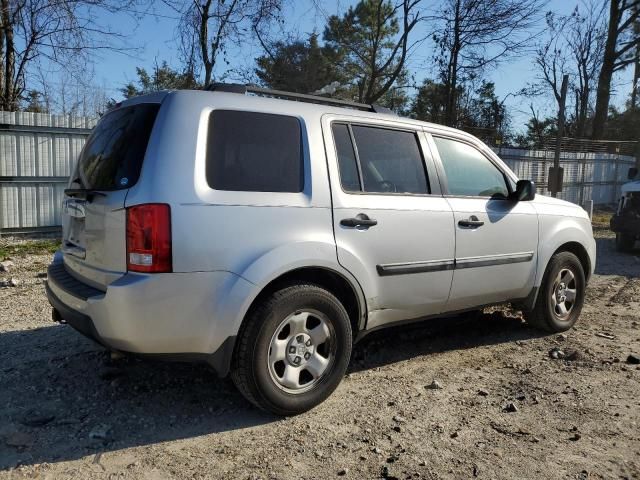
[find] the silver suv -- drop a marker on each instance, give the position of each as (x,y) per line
(264,233)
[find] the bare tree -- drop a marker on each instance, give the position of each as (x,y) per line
(574,46)
(63,32)
(552,58)
(622,40)
(208,27)
(474,34)
(586,35)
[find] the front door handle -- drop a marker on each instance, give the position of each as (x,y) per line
(360,220)
(471,222)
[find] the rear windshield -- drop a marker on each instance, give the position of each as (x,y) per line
(112,157)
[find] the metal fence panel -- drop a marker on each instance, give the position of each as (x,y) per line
(595,176)
(37,155)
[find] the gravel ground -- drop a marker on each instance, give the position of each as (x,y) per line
(473,396)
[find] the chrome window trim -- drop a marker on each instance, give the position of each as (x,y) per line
(434,186)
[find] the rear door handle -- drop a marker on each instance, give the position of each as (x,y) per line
(360,220)
(471,222)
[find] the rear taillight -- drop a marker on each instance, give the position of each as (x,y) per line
(149,238)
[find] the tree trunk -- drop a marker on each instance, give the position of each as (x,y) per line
(1,57)
(10,92)
(204,42)
(4,22)
(636,65)
(636,75)
(452,81)
(582,99)
(9,80)
(636,80)
(603,93)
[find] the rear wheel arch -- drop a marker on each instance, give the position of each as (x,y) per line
(334,282)
(285,361)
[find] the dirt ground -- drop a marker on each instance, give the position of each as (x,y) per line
(69,411)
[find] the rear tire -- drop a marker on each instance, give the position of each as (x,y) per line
(561,294)
(624,242)
(293,350)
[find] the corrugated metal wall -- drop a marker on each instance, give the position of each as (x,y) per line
(595,176)
(37,155)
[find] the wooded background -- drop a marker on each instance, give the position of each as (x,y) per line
(363,53)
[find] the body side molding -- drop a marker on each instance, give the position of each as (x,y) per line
(388,269)
(453,264)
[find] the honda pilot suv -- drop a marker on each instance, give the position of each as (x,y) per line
(264,233)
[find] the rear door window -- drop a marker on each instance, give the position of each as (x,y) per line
(383,160)
(254,152)
(349,176)
(113,155)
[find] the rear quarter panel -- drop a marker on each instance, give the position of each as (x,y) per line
(255,235)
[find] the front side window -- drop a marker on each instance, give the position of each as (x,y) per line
(389,161)
(254,152)
(468,171)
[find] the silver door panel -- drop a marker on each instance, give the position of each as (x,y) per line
(403,263)
(495,262)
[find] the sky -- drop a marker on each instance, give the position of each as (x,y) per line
(153,34)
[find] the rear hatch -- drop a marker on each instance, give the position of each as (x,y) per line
(93,214)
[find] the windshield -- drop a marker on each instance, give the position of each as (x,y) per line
(112,157)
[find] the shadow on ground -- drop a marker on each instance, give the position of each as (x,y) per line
(611,262)
(63,398)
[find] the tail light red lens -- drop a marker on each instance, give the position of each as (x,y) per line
(149,238)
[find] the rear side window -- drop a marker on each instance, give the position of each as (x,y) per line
(254,152)
(112,157)
(389,161)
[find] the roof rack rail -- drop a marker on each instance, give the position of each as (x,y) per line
(301,97)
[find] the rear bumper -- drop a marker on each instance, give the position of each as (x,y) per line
(82,323)
(182,316)
(625,224)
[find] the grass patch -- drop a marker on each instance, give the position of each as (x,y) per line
(31,247)
(601,218)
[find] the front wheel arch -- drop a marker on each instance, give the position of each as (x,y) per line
(579,251)
(544,314)
(572,247)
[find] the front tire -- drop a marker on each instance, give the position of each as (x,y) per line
(293,350)
(561,294)
(624,242)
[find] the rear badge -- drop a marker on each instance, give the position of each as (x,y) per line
(74,207)
(124,181)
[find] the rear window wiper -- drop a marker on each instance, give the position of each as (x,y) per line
(86,193)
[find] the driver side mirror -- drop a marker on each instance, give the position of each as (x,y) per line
(633,172)
(525,191)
